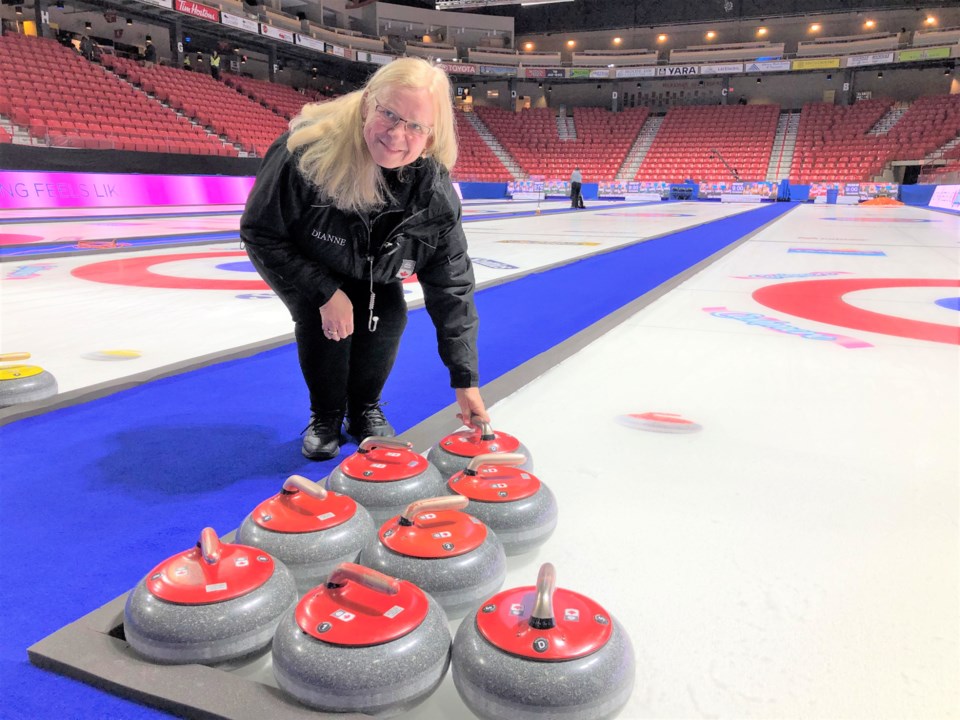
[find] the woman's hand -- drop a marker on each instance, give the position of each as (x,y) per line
(472,410)
(337,317)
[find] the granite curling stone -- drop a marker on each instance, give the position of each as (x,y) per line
(385,475)
(449,554)
(21,384)
(309,529)
(212,603)
(543,652)
(362,642)
(512,502)
(455,451)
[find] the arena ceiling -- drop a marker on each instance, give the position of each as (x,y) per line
(582,15)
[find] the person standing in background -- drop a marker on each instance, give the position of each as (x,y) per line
(215,65)
(576,185)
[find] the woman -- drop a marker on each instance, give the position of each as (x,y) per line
(355,198)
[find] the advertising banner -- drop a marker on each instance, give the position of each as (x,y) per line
(334,50)
(630,72)
(47,190)
(241,23)
(459,68)
(375,58)
(501,70)
(946,197)
(277,33)
(677,70)
(719,188)
(205,12)
(725,69)
(864,191)
(924,54)
(598,73)
(309,42)
(160,3)
(582,73)
(871,59)
(556,73)
(816,64)
(768,66)
(534,72)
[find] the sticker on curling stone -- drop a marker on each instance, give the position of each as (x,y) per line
(113,355)
(215,587)
(659,422)
(394,611)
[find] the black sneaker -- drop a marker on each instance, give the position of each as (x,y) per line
(368,421)
(322,439)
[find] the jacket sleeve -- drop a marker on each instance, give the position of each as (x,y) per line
(273,210)
(448,285)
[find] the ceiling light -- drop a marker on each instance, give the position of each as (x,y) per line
(870,24)
(528,46)
(711,35)
(571,43)
(815,27)
(931,20)
(617,41)
(761,31)
(661,38)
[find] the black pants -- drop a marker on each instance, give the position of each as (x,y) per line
(576,197)
(352,372)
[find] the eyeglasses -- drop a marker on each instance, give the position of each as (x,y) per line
(391,119)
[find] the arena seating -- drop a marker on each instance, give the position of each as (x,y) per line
(281,99)
(87,107)
(693,139)
(5,137)
(238,118)
(532,139)
(476,160)
(833,144)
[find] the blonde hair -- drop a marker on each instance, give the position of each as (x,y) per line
(334,155)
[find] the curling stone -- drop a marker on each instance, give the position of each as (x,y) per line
(448,553)
(452,454)
(363,642)
(543,652)
(520,509)
(212,603)
(309,529)
(386,475)
(24,383)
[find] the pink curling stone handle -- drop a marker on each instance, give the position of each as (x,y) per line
(447,502)
(368,577)
(210,546)
(308,487)
(373,441)
(494,459)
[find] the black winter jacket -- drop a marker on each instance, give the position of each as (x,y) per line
(309,246)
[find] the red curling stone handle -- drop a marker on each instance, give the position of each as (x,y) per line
(309,487)
(373,441)
(447,502)
(210,546)
(365,576)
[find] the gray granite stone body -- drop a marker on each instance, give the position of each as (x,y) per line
(449,464)
(382,680)
(385,500)
(312,556)
(497,685)
(521,525)
(27,389)
(170,633)
(458,583)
